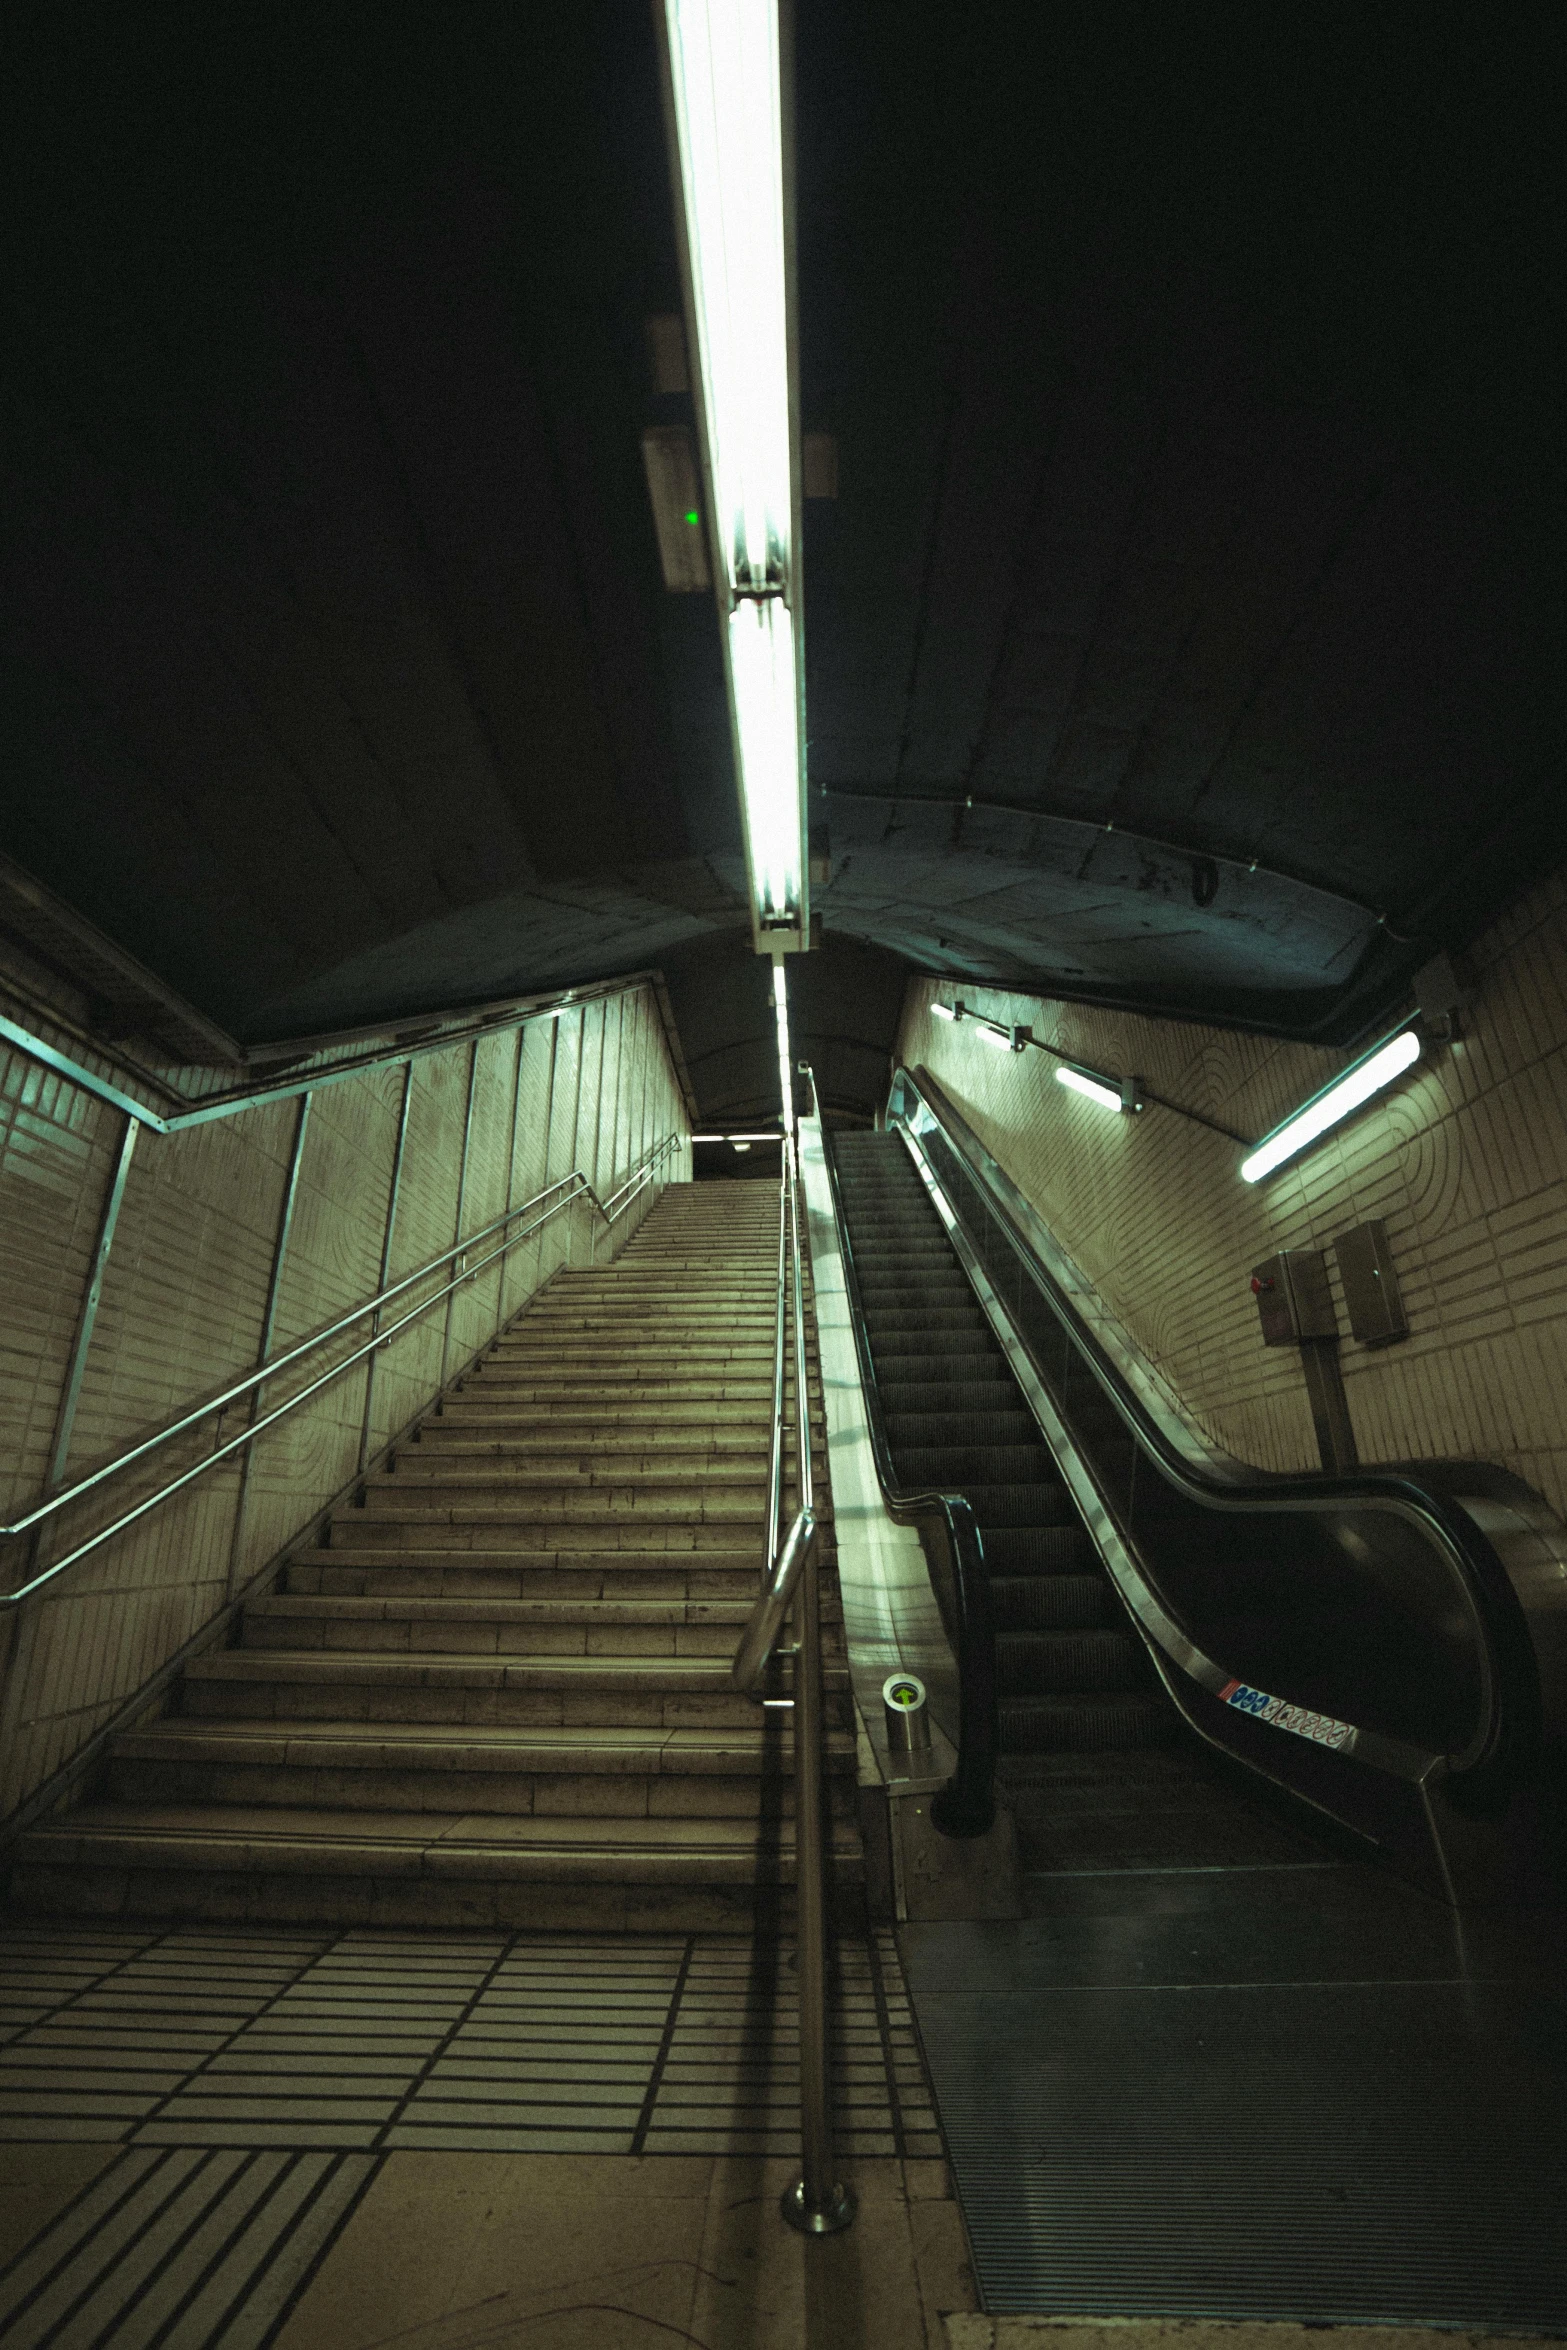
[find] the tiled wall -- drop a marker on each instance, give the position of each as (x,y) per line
(1466,1162)
(184,1298)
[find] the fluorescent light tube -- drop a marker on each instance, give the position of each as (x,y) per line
(1093,1089)
(1332,1105)
(724,67)
(727,105)
(785,1072)
(767,731)
(944,1011)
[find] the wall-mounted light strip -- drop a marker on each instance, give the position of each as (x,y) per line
(758,1136)
(1368,1076)
(957,1011)
(1092,1089)
(727,107)
(1006,1040)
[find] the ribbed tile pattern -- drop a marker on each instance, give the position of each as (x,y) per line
(365,2042)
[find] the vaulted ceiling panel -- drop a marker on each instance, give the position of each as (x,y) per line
(1192,596)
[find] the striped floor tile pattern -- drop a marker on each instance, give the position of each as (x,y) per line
(364,2042)
(176,2248)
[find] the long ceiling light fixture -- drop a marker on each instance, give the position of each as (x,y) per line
(785,1070)
(1371,1074)
(726,67)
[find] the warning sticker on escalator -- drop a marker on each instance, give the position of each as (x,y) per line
(1284,1716)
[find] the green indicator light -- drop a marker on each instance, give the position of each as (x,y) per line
(693,520)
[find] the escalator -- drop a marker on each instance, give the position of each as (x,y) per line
(1279,2034)
(1071,1675)
(1386,1648)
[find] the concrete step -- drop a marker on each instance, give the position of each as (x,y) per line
(477,1531)
(635,1394)
(500,1459)
(653,1354)
(658,1443)
(634,1318)
(594,1516)
(623,1471)
(720,1399)
(558,1692)
(567,1772)
(434,1869)
(433,1570)
(495,1627)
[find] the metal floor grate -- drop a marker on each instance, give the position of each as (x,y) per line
(1250,2093)
(363,2041)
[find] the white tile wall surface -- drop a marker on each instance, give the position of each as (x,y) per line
(184,1297)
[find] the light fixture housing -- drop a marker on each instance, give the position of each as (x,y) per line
(785,1066)
(1006,1040)
(729,107)
(1360,1082)
(947,1011)
(1098,1090)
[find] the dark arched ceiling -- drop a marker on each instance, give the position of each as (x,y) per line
(1186,629)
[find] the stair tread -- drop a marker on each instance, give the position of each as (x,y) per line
(412,1744)
(356,1843)
(419,1608)
(437,1666)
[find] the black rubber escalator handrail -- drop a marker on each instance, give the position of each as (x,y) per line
(1513,1732)
(966,1806)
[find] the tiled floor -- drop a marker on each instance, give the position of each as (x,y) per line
(368,2042)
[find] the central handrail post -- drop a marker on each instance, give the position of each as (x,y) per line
(818,2204)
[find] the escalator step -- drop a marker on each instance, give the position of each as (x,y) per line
(1004,1506)
(903,1361)
(1051,1603)
(941,1288)
(919,1398)
(1084,1725)
(966,1465)
(1038,1550)
(1054,1664)
(934,1318)
(953,1427)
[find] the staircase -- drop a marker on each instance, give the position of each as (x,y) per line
(1073,1679)
(498,1694)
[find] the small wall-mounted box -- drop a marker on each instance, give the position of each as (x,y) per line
(1371,1293)
(1294,1300)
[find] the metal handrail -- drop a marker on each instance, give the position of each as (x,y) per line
(784,1554)
(966,1806)
(574,1187)
(818,2203)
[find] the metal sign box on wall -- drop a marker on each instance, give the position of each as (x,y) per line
(1294,1300)
(1371,1291)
